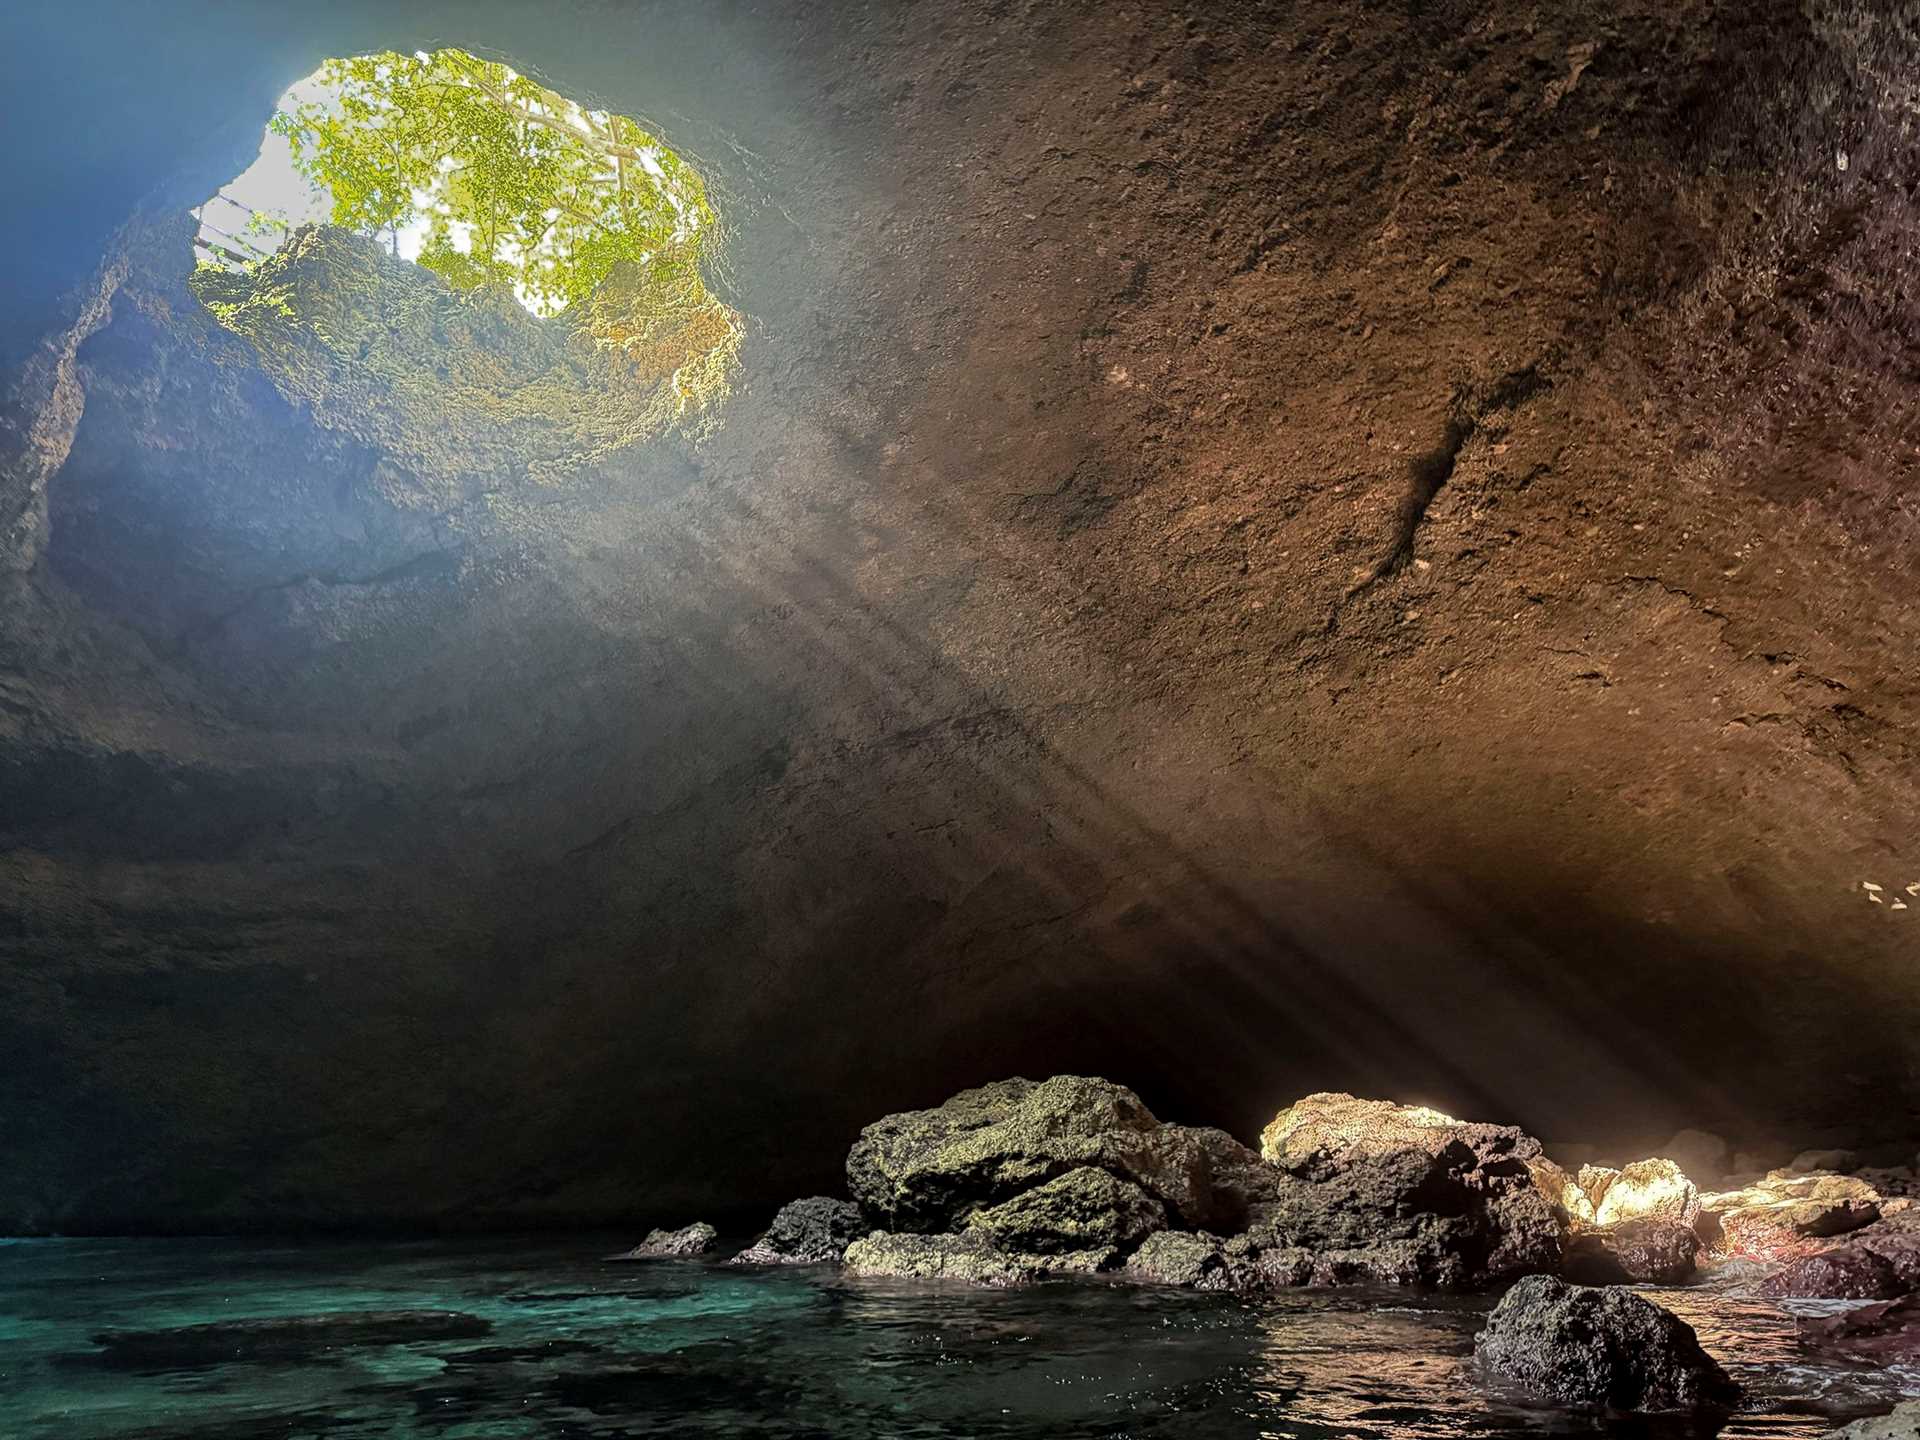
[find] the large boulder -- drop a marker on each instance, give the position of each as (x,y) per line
(969,1259)
(1902,1424)
(1083,1210)
(1647,1190)
(1634,1252)
(814,1231)
(1846,1272)
(1785,1215)
(687,1241)
(1604,1348)
(932,1170)
(1407,1195)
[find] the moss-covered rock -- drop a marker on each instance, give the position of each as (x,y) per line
(1083,1210)
(969,1258)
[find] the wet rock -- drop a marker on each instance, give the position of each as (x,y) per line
(1786,1215)
(1886,1332)
(968,1258)
(1083,1210)
(1700,1153)
(297,1337)
(1846,1272)
(931,1170)
(1902,1424)
(689,1240)
(1406,1195)
(1604,1348)
(1654,1189)
(1188,1259)
(1635,1252)
(814,1231)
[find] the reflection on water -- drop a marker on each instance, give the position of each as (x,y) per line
(574,1347)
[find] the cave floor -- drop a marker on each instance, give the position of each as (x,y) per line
(549,1340)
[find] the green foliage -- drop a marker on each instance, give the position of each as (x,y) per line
(514,184)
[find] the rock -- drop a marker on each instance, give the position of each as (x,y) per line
(1786,1215)
(967,1258)
(814,1231)
(1083,1210)
(1594,1180)
(1886,1332)
(1648,1190)
(1635,1252)
(1902,1424)
(1605,1348)
(295,1337)
(930,1170)
(1809,1162)
(1407,1195)
(1184,1258)
(1700,1153)
(1846,1272)
(1571,1203)
(689,1240)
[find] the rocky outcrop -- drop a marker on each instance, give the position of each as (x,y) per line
(1902,1424)
(1187,1259)
(1785,1215)
(1605,1348)
(1406,1195)
(932,1170)
(814,1231)
(968,1258)
(1084,1211)
(689,1240)
(1634,1252)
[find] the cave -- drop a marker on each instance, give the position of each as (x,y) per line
(1251,552)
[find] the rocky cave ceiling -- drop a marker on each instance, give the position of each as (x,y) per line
(1258,548)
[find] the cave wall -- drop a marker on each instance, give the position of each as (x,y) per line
(1273,548)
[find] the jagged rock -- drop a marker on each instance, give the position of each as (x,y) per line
(695,1239)
(1604,1348)
(1634,1252)
(1886,1332)
(1083,1210)
(813,1231)
(1571,1203)
(281,1337)
(1191,1260)
(930,1170)
(969,1258)
(1700,1153)
(1647,1190)
(1786,1215)
(1407,1195)
(1902,1424)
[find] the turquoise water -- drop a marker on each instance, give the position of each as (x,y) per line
(580,1347)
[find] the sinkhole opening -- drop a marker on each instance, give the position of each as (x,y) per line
(404,206)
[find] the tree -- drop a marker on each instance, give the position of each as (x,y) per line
(509,182)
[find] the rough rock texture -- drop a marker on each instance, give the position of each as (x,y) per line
(1368,544)
(1082,1210)
(1634,1252)
(969,1258)
(1886,1332)
(928,1170)
(695,1239)
(1786,1215)
(1646,1190)
(1902,1424)
(813,1231)
(1407,1195)
(1878,1262)
(1571,1203)
(1604,1348)
(1188,1259)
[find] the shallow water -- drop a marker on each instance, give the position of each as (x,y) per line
(579,1347)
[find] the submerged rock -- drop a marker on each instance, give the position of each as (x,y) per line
(1404,1194)
(1083,1210)
(1846,1272)
(1635,1252)
(296,1337)
(969,1258)
(932,1170)
(1604,1348)
(814,1231)
(1902,1424)
(689,1240)
(1786,1215)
